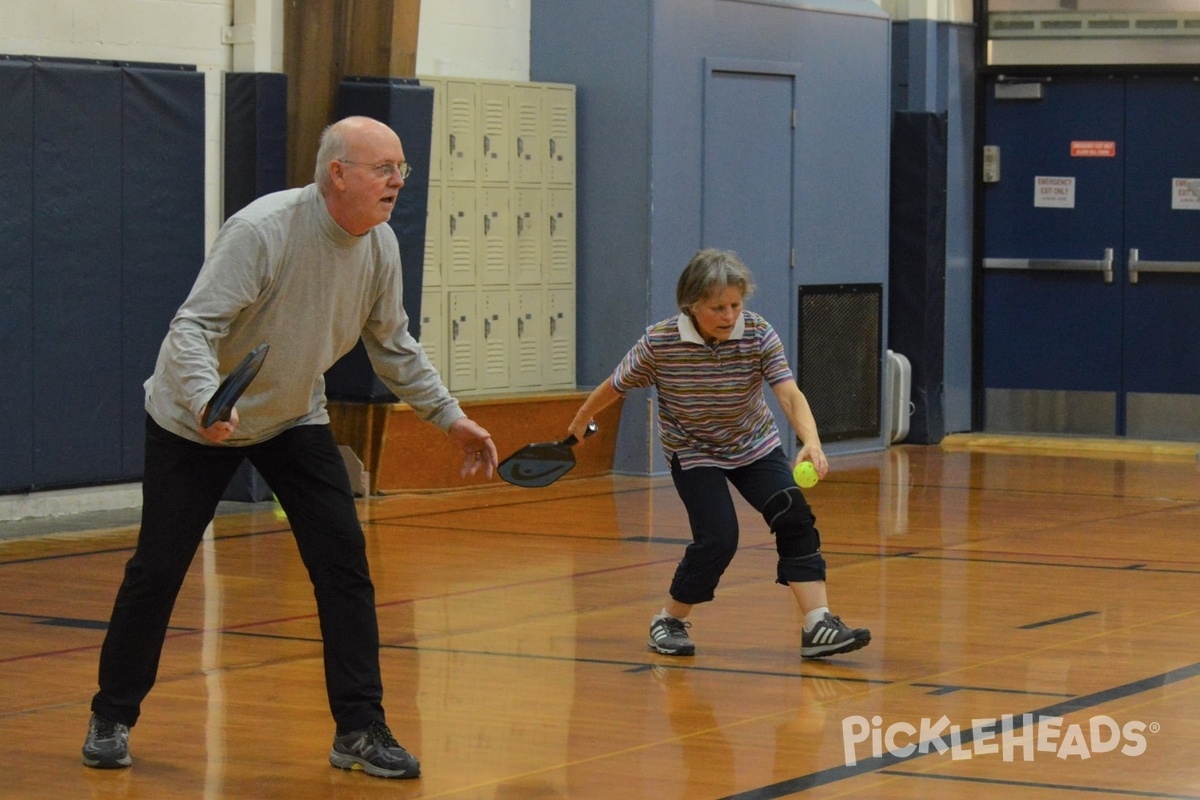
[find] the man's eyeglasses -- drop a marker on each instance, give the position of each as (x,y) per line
(383,170)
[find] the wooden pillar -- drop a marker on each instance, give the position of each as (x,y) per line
(327,40)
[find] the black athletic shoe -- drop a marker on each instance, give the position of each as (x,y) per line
(375,751)
(831,636)
(107,744)
(669,636)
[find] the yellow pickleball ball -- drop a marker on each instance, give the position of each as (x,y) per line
(805,475)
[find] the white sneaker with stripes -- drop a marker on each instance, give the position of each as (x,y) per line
(831,636)
(669,636)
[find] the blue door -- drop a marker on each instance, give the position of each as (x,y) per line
(1089,310)
(1162,248)
(749,144)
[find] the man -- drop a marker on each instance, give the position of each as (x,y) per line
(308,271)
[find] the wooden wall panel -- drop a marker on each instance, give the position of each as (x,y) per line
(327,40)
(415,455)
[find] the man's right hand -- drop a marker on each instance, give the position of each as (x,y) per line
(220,430)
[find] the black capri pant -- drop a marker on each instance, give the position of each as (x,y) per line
(713,518)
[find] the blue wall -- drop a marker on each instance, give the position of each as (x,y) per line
(639,69)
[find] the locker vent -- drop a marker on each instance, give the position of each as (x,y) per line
(839,358)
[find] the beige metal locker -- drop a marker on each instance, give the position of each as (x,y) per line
(560,122)
(529,338)
(496,129)
(500,250)
(497,339)
(437,131)
(463,346)
(529,127)
(495,237)
(560,361)
(431,272)
(460,236)
(433,327)
(462,131)
(529,243)
(560,237)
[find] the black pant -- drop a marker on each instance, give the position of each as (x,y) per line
(183,483)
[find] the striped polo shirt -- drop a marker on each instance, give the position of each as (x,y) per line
(711,407)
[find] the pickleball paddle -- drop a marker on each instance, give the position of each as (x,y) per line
(541,463)
(221,404)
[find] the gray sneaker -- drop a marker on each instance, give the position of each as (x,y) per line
(107,744)
(831,636)
(374,751)
(669,637)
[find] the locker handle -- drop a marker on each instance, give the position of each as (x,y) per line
(487,145)
(487,328)
(453,142)
(1136,265)
(552,148)
(1104,265)
(552,326)
(520,225)
(520,327)
(453,224)
(454,328)
(487,224)
(520,146)
(553,225)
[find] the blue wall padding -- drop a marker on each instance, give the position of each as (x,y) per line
(917,264)
(162,226)
(407,108)
(16,275)
(255,137)
(76,273)
(101,235)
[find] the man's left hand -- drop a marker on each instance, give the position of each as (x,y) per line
(479,451)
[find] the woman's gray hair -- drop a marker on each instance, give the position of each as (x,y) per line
(709,271)
(332,148)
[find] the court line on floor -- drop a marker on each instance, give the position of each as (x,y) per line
(1139,567)
(1038,785)
(80,622)
(877,764)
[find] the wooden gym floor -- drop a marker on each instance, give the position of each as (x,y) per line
(1057,585)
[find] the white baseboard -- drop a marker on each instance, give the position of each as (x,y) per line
(69,501)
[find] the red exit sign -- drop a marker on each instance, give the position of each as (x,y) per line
(1093,149)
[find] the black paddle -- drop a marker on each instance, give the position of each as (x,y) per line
(541,464)
(221,405)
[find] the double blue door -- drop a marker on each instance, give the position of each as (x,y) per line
(1091,299)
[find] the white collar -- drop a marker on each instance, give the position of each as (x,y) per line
(688,332)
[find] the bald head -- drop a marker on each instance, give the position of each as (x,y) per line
(346,139)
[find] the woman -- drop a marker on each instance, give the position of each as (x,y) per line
(709,365)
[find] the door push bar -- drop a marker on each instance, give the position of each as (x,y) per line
(1136,266)
(1104,266)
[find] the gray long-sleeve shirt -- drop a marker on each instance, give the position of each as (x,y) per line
(282,271)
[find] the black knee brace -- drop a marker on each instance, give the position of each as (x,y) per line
(797,539)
